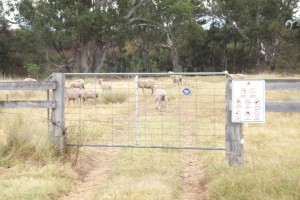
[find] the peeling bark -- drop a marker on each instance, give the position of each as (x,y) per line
(99,55)
(81,57)
(172,53)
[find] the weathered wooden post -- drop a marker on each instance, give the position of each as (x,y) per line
(234,139)
(58,112)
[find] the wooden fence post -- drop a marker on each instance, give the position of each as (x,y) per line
(58,112)
(234,139)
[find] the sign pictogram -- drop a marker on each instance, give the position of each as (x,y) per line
(248,101)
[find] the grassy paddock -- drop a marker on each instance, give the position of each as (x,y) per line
(30,169)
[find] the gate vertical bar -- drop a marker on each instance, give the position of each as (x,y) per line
(233,133)
(58,112)
(136,110)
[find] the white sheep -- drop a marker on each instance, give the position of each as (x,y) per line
(160,96)
(238,76)
(235,76)
(148,84)
(73,94)
(89,94)
(29,92)
(29,79)
(78,83)
(177,79)
(105,86)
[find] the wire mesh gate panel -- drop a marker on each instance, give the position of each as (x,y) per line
(126,116)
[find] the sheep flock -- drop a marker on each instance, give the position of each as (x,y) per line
(78,92)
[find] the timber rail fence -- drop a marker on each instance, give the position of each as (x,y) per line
(56,104)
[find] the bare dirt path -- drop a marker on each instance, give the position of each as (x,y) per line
(193,179)
(93,167)
(95,164)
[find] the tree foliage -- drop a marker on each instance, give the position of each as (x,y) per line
(149,35)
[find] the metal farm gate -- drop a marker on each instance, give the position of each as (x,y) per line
(125,116)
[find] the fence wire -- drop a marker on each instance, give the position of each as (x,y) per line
(125,116)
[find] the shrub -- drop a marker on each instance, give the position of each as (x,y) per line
(23,143)
(113,98)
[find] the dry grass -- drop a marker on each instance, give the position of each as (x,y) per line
(271,168)
(272,160)
(29,165)
(143,174)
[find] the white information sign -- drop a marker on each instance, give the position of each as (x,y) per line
(248,101)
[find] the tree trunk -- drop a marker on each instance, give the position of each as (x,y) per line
(99,56)
(76,64)
(81,58)
(272,52)
(172,53)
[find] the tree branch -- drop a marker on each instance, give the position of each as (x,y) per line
(66,64)
(133,10)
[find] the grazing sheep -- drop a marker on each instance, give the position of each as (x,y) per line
(29,79)
(238,76)
(160,96)
(30,92)
(105,86)
(78,83)
(235,76)
(148,84)
(89,94)
(177,79)
(73,94)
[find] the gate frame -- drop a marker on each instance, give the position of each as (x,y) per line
(136,77)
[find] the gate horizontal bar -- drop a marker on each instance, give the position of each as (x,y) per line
(147,147)
(136,74)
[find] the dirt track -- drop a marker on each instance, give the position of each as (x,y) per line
(95,164)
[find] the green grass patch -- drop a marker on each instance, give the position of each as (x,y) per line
(113,98)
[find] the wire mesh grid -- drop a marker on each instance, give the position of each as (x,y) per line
(126,116)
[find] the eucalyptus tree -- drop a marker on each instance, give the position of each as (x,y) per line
(89,27)
(165,26)
(261,25)
(5,38)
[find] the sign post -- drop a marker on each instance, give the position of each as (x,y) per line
(245,103)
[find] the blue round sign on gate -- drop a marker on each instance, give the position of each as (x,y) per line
(186,91)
